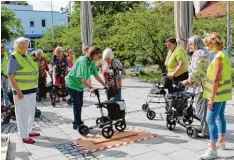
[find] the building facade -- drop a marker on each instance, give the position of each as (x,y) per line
(35,23)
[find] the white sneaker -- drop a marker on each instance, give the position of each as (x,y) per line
(220,145)
(209,154)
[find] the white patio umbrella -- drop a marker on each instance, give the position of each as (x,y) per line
(183,16)
(86,22)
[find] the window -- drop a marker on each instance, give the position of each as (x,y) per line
(43,23)
(31,23)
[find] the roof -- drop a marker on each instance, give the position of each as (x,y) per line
(215,9)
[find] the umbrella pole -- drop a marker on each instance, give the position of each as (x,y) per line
(228,26)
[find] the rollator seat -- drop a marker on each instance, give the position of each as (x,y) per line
(181,95)
(158,91)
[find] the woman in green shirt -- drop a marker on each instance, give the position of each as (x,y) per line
(77,79)
(176,63)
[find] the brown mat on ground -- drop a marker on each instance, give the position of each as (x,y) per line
(98,142)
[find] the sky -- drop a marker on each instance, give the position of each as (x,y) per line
(46,5)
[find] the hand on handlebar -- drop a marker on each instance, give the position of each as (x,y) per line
(170,76)
(106,87)
(92,90)
(184,83)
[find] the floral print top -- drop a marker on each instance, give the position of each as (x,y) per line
(108,73)
(199,64)
(60,67)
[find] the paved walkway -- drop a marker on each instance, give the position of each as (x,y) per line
(56,142)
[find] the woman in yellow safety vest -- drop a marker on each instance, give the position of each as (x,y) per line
(218,90)
(4,79)
(23,74)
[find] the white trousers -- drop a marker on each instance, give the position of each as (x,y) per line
(25,112)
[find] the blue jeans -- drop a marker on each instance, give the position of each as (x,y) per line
(217,114)
(77,103)
(117,97)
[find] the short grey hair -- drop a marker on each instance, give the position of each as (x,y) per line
(197,42)
(38,51)
(107,53)
(19,41)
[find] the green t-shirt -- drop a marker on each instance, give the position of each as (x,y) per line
(83,68)
(173,59)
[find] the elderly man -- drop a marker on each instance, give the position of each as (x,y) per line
(4,59)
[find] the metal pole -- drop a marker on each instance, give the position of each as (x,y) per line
(52,16)
(228,26)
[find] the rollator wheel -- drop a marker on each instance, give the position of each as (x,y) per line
(120,126)
(167,107)
(145,107)
(6,119)
(83,130)
(98,121)
(188,120)
(53,103)
(171,125)
(150,115)
(37,113)
(13,118)
(69,102)
(107,132)
(192,132)
(38,98)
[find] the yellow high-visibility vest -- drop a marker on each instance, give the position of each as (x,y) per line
(224,92)
(26,78)
(4,64)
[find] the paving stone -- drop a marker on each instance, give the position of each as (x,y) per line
(165,147)
(183,155)
(151,156)
(45,152)
(58,157)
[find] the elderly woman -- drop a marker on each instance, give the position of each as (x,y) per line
(60,70)
(71,58)
(77,79)
(176,63)
(217,90)
(23,74)
(4,79)
(200,60)
(43,67)
(106,66)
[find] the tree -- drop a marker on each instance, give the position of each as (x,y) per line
(100,8)
(11,26)
(137,36)
(64,36)
(204,26)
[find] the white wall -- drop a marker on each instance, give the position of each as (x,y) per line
(37,16)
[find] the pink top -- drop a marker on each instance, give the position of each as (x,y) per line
(70,63)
